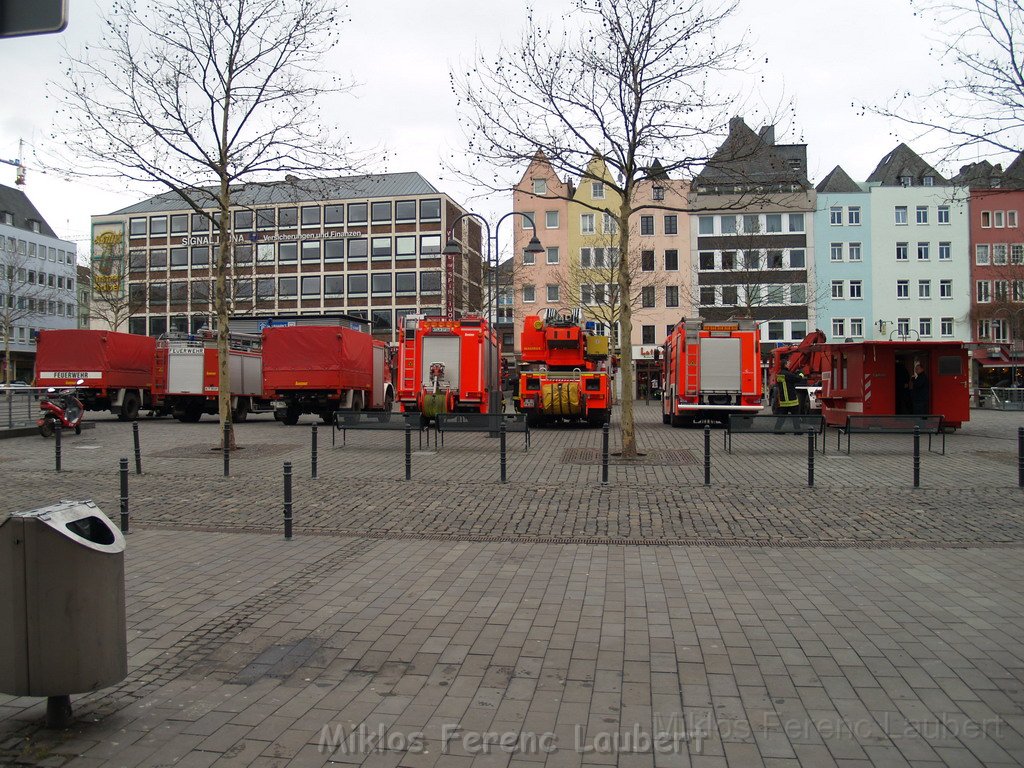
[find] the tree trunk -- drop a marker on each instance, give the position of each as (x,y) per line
(627,427)
(221,303)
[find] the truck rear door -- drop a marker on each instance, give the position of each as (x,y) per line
(720,364)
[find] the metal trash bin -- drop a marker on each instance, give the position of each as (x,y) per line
(62,609)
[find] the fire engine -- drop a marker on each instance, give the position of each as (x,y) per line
(563,377)
(187,375)
(711,370)
(116,368)
(322,369)
(446,365)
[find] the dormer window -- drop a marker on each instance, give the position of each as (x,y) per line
(794,164)
(659,193)
(33,225)
(7,217)
(906,181)
(928,181)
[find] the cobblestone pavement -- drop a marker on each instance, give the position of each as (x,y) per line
(871,625)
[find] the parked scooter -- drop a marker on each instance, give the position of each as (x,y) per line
(62,408)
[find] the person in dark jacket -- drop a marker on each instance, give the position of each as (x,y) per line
(921,391)
(903,401)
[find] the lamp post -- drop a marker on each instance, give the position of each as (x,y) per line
(452,248)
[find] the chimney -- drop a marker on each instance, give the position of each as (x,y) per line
(767,134)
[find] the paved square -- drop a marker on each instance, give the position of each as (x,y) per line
(453,620)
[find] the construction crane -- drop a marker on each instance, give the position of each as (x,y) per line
(18,163)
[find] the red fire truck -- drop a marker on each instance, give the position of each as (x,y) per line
(711,370)
(446,365)
(117,368)
(563,377)
(322,369)
(187,376)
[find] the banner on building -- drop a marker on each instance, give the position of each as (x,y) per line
(108,255)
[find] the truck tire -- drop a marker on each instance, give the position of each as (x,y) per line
(241,411)
(666,418)
(681,421)
(191,414)
(598,418)
(129,407)
(291,415)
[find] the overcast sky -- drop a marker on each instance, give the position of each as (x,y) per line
(822,54)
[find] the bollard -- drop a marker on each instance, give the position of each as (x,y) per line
(138,448)
(1020,457)
(313,453)
(287,501)
(604,453)
(124,495)
(707,455)
(226,447)
(408,451)
(56,446)
(501,435)
(810,458)
(917,457)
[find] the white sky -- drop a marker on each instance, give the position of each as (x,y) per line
(823,54)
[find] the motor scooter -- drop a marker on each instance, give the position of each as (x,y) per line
(62,408)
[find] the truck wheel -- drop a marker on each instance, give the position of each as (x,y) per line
(681,421)
(666,418)
(291,416)
(598,418)
(241,411)
(534,419)
(129,407)
(192,414)
(327,416)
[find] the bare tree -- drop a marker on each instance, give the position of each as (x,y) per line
(980,99)
(200,95)
(633,83)
(19,297)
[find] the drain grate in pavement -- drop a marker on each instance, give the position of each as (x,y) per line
(651,458)
(205,450)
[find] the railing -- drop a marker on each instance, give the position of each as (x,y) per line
(1004,398)
(19,406)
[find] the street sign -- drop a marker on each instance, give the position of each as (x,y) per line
(32,17)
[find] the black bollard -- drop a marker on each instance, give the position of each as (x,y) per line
(604,453)
(56,446)
(313,453)
(287,501)
(226,447)
(501,435)
(138,448)
(917,457)
(124,495)
(408,451)
(810,458)
(707,455)
(1020,456)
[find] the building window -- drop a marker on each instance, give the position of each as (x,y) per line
(540,186)
(902,251)
(671,224)
(380,284)
(356,214)
(358,285)
(943,214)
(796,222)
(999,254)
(647,334)
(922,214)
(945,252)
(946,326)
(529,294)
(730,295)
(405,283)
(287,287)
(903,326)
(311,285)
(334,250)
(647,297)
(856,289)
(986,219)
(310,251)
(671,295)
(597,190)
(659,193)
(551,219)
(984,292)
(945,289)
(334,285)
(836,252)
(854,250)
(924,289)
(706,225)
(553,294)
(287,253)
(647,261)
(837,289)
(380,248)
(997,219)
(857,327)
(797,258)
(707,295)
(902,289)
(287,218)
(380,212)
(774,259)
(430,210)
(706,260)
(924,326)
(797,293)
(334,215)
(609,225)
(835,215)
(552,254)
(200,256)
(311,215)
(922,251)
(646,225)
(529,258)
(853,216)
(672,260)
(981,254)
(1002,290)
(773,222)
(430,282)
(901,214)
(776,330)
(838,327)
(586,223)
(984,330)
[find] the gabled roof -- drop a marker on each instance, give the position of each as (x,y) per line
(293,190)
(748,159)
(16,202)
(978,175)
(901,163)
(838,181)
(657,171)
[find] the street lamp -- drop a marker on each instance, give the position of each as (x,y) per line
(452,248)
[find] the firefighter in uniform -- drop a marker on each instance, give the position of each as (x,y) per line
(786,394)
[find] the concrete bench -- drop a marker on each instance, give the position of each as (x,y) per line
(482,422)
(776,424)
(370,420)
(892,425)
